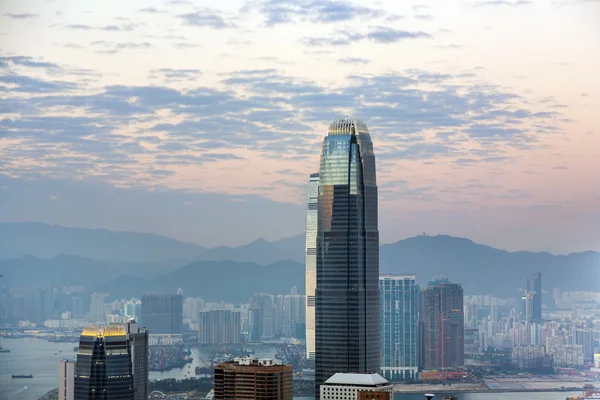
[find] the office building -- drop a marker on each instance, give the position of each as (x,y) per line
(534,288)
(66,380)
(162,313)
(311,262)
(398,296)
(443,325)
(104,368)
(347,293)
(138,343)
(219,327)
(247,378)
(347,386)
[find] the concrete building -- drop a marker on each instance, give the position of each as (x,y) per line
(348,386)
(162,313)
(398,296)
(218,326)
(138,342)
(97,312)
(311,262)
(66,380)
(249,379)
(531,357)
(443,325)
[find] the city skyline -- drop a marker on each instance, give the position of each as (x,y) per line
(473,125)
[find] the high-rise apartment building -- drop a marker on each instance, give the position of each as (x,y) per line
(138,343)
(347,293)
(534,288)
(247,378)
(311,262)
(66,380)
(97,312)
(162,313)
(219,326)
(398,296)
(443,325)
(104,367)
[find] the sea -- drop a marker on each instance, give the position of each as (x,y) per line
(40,358)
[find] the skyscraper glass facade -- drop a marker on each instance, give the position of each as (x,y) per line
(399,326)
(311,262)
(347,293)
(104,368)
(534,288)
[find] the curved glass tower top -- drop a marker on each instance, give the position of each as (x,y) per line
(347,293)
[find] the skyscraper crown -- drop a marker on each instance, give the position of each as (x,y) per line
(347,125)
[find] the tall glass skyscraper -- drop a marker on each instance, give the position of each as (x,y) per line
(311,262)
(399,326)
(534,288)
(104,367)
(347,294)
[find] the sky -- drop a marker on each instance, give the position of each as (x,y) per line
(201,120)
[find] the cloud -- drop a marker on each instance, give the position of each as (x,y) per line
(501,3)
(173,74)
(353,60)
(424,17)
(151,10)
(27,62)
(389,35)
(129,130)
(21,16)
(379,34)
(185,45)
(27,84)
(205,18)
(316,11)
(122,26)
(105,47)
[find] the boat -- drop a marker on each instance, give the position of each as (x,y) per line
(589,393)
(5,351)
(15,376)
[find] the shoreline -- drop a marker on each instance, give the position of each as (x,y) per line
(479,388)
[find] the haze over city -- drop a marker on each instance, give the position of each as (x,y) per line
(201,121)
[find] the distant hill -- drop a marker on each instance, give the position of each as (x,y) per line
(73,270)
(213,280)
(483,269)
(20,239)
(216,280)
(260,251)
(480,269)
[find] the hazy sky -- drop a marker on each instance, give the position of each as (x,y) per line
(202,120)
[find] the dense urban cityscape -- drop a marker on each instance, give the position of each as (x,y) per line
(299,200)
(354,330)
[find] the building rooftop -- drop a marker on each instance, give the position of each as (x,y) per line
(356,379)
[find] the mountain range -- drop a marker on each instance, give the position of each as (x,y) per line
(128,263)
